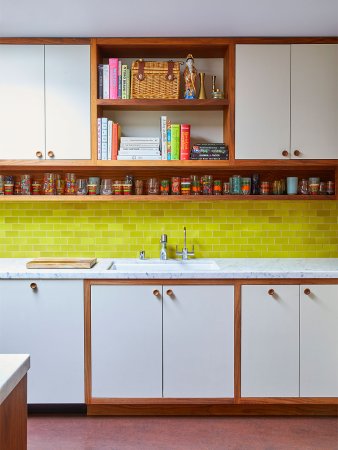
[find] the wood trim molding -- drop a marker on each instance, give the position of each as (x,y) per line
(87,342)
(237,343)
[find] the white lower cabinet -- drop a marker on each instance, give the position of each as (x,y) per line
(289,341)
(45,319)
(319,341)
(270,341)
(130,356)
(198,341)
(126,341)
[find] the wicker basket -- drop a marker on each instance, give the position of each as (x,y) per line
(156,80)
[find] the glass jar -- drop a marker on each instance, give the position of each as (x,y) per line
(176,186)
(303,187)
(207,184)
(235,184)
(217,189)
(265,188)
(314,185)
(106,187)
(48,187)
(322,188)
(185,186)
(195,185)
(165,187)
(330,187)
(246,186)
(25,184)
(81,186)
(153,186)
(226,188)
(255,184)
(70,183)
(139,187)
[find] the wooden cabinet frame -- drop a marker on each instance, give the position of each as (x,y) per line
(223,406)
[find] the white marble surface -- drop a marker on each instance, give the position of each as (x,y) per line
(12,369)
(229,268)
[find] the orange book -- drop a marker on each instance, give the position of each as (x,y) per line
(185,141)
(116,140)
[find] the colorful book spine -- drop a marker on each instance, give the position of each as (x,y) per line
(185,141)
(105,81)
(140,140)
(99,146)
(175,141)
(119,78)
(164,137)
(139,158)
(104,138)
(100,81)
(168,139)
(113,78)
(139,152)
(110,139)
(128,83)
(116,140)
(124,81)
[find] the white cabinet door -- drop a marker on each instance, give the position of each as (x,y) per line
(319,341)
(22,128)
(270,341)
(67,75)
(46,323)
(262,110)
(198,341)
(126,341)
(314,101)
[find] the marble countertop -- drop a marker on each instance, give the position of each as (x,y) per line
(228,268)
(12,369)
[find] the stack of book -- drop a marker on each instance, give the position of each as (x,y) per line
(139,148)
(114,80)
(209,151)
(108,139)
(175,140)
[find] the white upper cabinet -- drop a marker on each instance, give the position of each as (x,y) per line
(262,112)
(67,101)
(45,102)
(286,101)
(22,122)
(314,94)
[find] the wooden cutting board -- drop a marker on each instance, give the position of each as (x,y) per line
(61,263)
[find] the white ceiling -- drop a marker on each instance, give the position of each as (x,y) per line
(89,18)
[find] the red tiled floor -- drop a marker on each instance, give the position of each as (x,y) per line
(182,433)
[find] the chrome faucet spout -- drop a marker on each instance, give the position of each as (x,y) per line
(163,252)
(185,253)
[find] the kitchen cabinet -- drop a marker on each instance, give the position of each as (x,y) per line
(45,102)
(45,319)
(126,341)
(270,341)
(129,357)
(286,101)
(319,340)
(198,342)
(289,341)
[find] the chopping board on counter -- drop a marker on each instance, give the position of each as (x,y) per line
(61,263)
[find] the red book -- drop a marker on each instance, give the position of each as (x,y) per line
(113,78)
(185,141)
(115,140)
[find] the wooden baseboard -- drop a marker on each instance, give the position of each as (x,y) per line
(147,409)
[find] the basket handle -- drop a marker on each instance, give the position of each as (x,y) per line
(170,74)
(140,73)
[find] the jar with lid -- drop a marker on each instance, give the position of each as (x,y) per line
(207,184)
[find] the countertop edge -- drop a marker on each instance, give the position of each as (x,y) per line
(13,367)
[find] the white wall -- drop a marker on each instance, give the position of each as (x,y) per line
(53,18)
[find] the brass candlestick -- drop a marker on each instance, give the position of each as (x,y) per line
(216,93)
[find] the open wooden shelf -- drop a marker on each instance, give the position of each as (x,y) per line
(161,105)
(158,198)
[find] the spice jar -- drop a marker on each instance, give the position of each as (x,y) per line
(153,187)
(207,184)
(176,185)
(139,187)
(17,188)
(185,186)
(165,187)
(195,185)
(70,183)
(246,186)
(36,186)
(48,186)
(265,188)
(303,187)
(226,188)
(255,184)
(25,184)
(330,187)
(314,185)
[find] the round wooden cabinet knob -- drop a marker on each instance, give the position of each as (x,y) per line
(285,153)
(297,152)
(170,292)
(271,292)
(156,292)
(307,291)
(33,286)
(51,154)
(38,154)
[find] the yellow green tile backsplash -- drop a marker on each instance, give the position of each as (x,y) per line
(217,229)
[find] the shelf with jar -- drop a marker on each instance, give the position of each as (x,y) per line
(114,186)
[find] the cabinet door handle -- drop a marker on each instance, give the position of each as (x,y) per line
(297,152)
(38,154)
(307,291)
(170,292)
(51,154)
(271,292)
(285,153)
(156,292)
(33,286)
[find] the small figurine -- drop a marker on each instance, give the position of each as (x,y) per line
(190,75)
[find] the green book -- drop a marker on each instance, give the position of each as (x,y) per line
(128,84)
(175,141)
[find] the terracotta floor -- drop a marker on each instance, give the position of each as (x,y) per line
(182,433)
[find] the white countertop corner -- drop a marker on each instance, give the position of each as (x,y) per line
(13,367)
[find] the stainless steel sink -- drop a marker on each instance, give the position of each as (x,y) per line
(156,265)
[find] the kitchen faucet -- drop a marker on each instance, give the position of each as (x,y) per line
(185,252)
(163,252)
